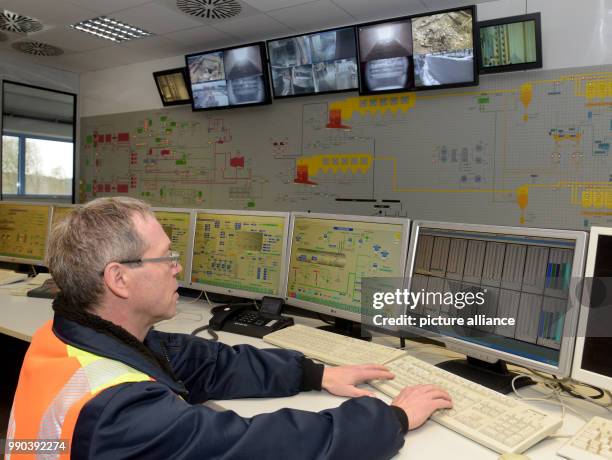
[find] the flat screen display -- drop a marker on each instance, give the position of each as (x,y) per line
(509,44)
(444,49)
(322,62)
(385,57)
(228,77)
(172,86)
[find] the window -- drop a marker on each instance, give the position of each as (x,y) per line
(37,143)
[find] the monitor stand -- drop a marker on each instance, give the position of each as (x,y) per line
(348,328)
(491,375)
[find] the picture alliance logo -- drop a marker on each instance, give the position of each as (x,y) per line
(412,299)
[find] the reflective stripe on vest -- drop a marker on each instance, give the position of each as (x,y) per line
(55,382)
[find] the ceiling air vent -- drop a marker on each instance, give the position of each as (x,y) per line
(210,9)
(37,48)
(13,22)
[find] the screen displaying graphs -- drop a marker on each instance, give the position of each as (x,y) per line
(329,258)
(239,252)
(176,226)
(23,231)
(522,277)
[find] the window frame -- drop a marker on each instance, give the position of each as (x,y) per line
(21,195)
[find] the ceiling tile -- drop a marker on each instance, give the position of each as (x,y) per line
(103,58)
(156,18)
(153,48)
(434,5)
(56,12)
(108,6)
(312,16)
(368,10)
(203,37)
(69,39)
(269,5)
(254,28)
(78,62)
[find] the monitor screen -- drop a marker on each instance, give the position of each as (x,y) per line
(331,254)
(177,225)
(172,86)
(444,49)
(512,43)
(491,273)
(240,253)
(229,77)
(385,57)
(592,359)
(24,229)
(323,62)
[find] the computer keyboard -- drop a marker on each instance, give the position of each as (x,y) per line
(487,417)
(331,348)
(10,276)
(592,442)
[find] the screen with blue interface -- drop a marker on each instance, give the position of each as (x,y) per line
(239,251)
(330,257)
(176,226)
(522,277)
(23,231)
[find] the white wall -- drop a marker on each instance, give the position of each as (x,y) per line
(574,34)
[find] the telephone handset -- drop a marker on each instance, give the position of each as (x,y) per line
(244,319)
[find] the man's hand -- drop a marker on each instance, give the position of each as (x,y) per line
(420,401)
(341,380)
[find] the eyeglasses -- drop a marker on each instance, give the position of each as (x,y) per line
(172,257)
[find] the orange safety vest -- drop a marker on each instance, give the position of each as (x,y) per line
(55,382)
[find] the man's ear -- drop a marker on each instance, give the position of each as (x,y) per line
(116,279)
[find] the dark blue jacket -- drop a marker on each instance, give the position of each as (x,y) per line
(164,419)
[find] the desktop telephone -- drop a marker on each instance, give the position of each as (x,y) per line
(244,319)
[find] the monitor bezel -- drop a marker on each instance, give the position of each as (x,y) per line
(325,309)
(489,354)
(537,64)
(282,284)
(413,87)
(23,260)
(187,268)
(304,35)
(578,372)
(183,72)
(264,69)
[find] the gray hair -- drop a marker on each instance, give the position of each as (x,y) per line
(87,240)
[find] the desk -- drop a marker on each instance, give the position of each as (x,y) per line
(21,316)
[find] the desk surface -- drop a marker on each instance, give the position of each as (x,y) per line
(21,316)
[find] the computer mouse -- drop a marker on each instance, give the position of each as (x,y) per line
(511,456)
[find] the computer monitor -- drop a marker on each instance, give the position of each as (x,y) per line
(229,77)
(315,63)
(240,253)
(179,226)
(331,254)
(444,49)
(509,44)
(60,211)
(172,86)
(592,359)
(530,275)
(24,230)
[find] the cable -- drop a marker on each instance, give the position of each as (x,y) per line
(213,334)
(197,298)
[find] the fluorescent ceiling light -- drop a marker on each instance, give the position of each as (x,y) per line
(110,29)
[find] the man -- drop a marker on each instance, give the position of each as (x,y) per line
(100,377)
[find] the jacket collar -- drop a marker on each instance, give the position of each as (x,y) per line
(100,344)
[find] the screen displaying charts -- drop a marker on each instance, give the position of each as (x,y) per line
(322,62)
(23,231)
(444,48)
(385,54)
(239,252)
(230,77)
(176,226)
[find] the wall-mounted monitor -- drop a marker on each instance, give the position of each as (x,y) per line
(172,86)
(385,57)
(317,63)
(229,77)
(443,49)
(509,44)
